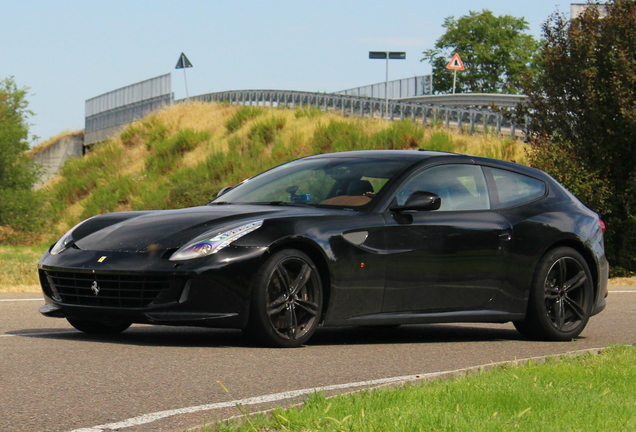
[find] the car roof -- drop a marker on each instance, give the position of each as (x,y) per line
(406,155)
(415,156)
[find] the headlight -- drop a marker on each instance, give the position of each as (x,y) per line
(205,247)
(66,240)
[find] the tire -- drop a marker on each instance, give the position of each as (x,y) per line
(561,297)
(98,327)
(286,300)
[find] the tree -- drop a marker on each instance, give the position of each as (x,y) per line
(583,108)
(18,206)
(495,50)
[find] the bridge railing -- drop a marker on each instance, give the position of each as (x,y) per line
(466,119)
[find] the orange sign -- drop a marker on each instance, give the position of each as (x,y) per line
(456,63)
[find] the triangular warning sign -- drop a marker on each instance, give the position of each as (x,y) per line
(183,62)
(455,63)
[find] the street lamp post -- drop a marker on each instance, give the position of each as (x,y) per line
(388,55)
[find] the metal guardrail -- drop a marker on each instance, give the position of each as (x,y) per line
(468,119)
(398,89)
(470,99)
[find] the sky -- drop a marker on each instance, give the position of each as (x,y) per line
(67,51)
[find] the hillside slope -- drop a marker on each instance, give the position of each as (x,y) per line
(184,154)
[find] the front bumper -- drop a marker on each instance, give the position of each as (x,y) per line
(150,289)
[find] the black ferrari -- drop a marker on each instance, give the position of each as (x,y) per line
(368,238)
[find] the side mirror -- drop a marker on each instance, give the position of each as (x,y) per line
(224,190)
(420,201)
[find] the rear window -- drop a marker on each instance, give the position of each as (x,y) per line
(514,188)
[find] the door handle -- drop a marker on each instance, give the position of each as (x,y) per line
(505,235)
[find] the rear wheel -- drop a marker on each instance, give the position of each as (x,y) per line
(286,300)
(561,297)
(98,327)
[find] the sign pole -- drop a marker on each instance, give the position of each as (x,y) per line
(388,55)
(188,95)
(455,64)
(454,80)
(386,91)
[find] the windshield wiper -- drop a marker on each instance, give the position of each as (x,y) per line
(219,203)
(283,203)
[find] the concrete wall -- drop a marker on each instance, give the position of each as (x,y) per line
(53,157)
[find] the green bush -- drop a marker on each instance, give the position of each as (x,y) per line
(242,116)
(264,131)
(581,102)
(80,175)
(562,163)
(152,196)
(167,152)
(309,113)
(21,210)
(107,197)
(149,130)
(404,134)
(20,206)
(339,136)
(440,141)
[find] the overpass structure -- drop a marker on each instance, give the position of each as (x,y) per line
(107,114)
(468,112)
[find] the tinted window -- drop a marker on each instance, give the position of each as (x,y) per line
(461,187)
(514,188)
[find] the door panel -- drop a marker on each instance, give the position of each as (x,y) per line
(449,259)
(445,261)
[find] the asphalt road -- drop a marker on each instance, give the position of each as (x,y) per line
(53,378)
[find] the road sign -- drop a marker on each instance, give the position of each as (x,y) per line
(393,55)
(377,54)
(397,55)
(455,63)
(183,62)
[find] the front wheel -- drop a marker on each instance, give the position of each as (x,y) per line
(561,298)
(286,300)
(98,327)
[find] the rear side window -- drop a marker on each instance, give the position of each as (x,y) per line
(514,188)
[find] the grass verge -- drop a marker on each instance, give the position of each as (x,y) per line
(586,393)
(19,268)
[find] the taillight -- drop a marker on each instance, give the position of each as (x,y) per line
(602,224)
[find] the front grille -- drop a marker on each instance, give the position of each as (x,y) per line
(106,290)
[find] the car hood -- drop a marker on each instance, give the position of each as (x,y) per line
(168,229)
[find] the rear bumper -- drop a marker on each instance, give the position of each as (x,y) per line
(601,290)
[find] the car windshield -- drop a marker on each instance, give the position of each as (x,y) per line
(339,182)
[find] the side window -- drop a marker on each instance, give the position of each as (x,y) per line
(514,188)
(461,187)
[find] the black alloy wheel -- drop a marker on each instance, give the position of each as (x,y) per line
(561,299)
(287,300)
(98,327)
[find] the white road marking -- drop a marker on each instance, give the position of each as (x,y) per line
(622,291)
(39,333)
(23,299)
(152,417)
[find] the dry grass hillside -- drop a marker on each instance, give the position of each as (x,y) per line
(182,155)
